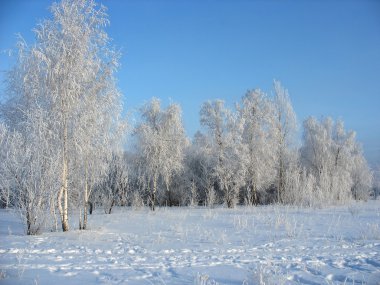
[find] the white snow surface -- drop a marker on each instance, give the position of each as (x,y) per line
(246,245)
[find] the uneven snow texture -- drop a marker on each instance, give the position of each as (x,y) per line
(258,245)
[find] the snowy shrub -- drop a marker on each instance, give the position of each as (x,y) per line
(20,257)
(269,274)
(370,231)
(203,279)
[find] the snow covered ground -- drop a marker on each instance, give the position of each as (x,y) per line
(260,245)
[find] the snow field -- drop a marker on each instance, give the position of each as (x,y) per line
(259,245)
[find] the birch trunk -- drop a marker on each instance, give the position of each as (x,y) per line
(154,190)
(280,187)
(63,209)
(85,201)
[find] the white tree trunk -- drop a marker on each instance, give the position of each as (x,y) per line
(63,209)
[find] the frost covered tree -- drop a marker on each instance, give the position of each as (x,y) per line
(6,141)
(28,171)
(99,136)
(224,144)
(199,170)
(334,157)
(113,189)
(29,164)
(160,146)
(361,175)
(68,73)
(285,130)
(257,120)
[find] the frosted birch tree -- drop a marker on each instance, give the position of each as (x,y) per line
(199,170)
(361,175)
(113,189)
(334,157)
(99,133)
(29,166)
(5,189)
(285,130)
(28,171)
(224,138)
(160,145)
(257,114)
(68,73)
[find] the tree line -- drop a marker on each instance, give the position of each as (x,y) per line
(62,139)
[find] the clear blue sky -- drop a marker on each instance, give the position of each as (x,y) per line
(327,53)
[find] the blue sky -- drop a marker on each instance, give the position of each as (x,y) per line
(327,53)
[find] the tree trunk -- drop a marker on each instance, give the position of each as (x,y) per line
(91,207)
(63,210)
(80,218)
(59,202)
(111,206)
(83,225)
(154,191)
(28,222)
(65,224)
(280,187)
(254,191)
(229,198)
(85,215)
(168,195)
